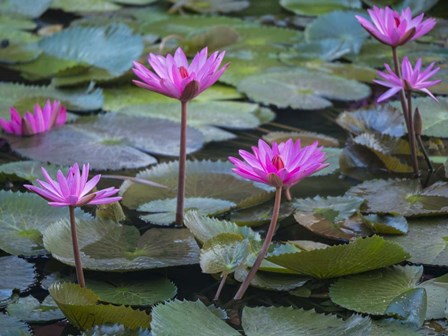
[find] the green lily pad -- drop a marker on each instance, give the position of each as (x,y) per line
(272,281)
(313,7)
(301,89)
(386,224)
(212,6)
(360,73)
(133,292)
(82,308)
(164,211)
(23,219)
(29,309)
(11,326)
(17,274)
(360,255)
(200,176)
(27,170)
(169,319)
(383,289)
(306,138)
(109,246)
(27,8)
(85,5)
(341,27)
(115,330)
(224,253)
(260,214)
(426,241)
(102,151)
(410,306)
(94,45)
(23,97)
(18,51)
(287,321)
(205,228)
(331,217)
(381,119)
(403,197)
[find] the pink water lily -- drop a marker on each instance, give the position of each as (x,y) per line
(412,78)
(284,164)
(174,77)
(395,29)
(42,120)
(73,189)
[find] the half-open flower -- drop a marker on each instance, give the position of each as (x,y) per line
(412,79)
(394,29)
(73,189)
(281,165)
(42,120)
(172,76)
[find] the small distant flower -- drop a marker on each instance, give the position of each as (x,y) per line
(42,120)
(74,189)
(412,79)
(394,29)
(283,165)
(172,76)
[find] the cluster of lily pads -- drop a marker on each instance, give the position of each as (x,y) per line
(362,256)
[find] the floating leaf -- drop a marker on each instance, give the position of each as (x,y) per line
(165,210)
(377,292)
(16,274)
(287,321)
(360,255)
(341,27)
(386,224)
(169,319)
(410,306)
(212,6)
(313,7)
(260,214)
(27,170)
(302,89)
(404,197)
(26,96)
(142,292)
(426,241)
(306,138)
(27,8)
(360,73)
(200,176)
(94,45)
(272,281)
(31,310)
(109,246)
(102,151)
(85,5)
(115,330)
(205,228)
(381,119)
(11,326)
(82,308)
(332,217)
(23,219)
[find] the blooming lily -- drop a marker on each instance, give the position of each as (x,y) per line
(411,79)
(42,120)
(395,29)
(174,77)
(73,190)
(281,166)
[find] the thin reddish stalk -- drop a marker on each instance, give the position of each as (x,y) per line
(264,248)
(413,137)
(76,254)
(407,113)
(221,286)
(182,164)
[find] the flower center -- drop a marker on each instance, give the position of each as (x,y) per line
(183,72)
(278,162)
(397,21)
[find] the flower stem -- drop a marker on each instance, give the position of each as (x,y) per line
(407,113)
(412,138)
(182,163)
(76,254)
(264,248)
(221,286)
(288,194)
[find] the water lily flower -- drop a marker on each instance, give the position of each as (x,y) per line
(73,190)
(411,79)
(174,77)
(42,120)
(281,166)
(395,29)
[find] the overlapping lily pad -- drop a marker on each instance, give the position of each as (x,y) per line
(272,281)
(115,330)
(301,89)
(169,319)
(31,310)
(200,176)
(12,326)
(23,219)
(109,246)
(26,170)
(360,255)
(306,138)
(374,292)
(27,8)
(17,275)
(82,308)
(212,6)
